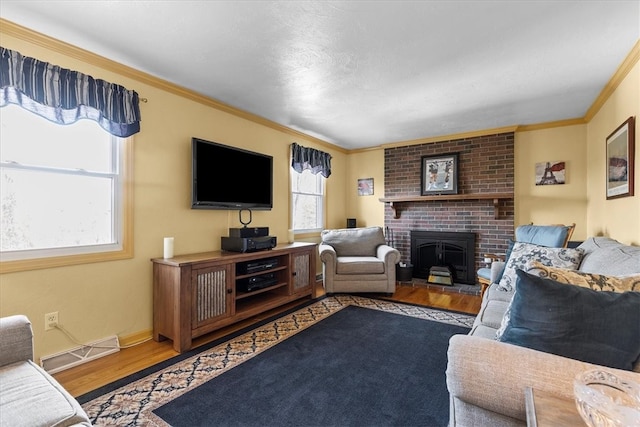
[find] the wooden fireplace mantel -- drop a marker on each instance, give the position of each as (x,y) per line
(394,202)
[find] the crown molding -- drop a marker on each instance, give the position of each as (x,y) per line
(549,125)
(623,70)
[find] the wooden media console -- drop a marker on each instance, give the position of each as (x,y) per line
(195,294)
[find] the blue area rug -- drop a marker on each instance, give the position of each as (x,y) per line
(340,361)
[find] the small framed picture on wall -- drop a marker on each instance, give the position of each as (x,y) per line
(550,173)
(365,187)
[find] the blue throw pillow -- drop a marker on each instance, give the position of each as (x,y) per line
(598,327)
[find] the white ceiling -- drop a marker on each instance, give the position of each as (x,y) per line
(362,73)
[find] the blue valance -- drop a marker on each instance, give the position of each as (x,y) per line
(304,158)
(65,96)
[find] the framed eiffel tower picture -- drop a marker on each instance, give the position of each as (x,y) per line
(550,173)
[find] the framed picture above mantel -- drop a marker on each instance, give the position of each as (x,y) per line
(620,160)
(439,175)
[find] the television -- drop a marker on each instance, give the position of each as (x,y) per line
(225,177)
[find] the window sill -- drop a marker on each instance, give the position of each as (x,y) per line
(62,261)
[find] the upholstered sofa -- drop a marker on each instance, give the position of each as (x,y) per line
(487,378)
(29,396)
(358,260)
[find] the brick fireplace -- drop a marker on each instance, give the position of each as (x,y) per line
(485,166)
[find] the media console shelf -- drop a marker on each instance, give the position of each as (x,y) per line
(195,294)
(394,202)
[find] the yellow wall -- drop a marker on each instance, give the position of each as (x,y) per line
(368,210)
(618,218)
(336,205)
(552,204)
(102,299)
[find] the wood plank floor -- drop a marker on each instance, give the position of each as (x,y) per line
(92,375)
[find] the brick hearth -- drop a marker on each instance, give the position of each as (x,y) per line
(486,165)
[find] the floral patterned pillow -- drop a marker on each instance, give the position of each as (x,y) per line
(597,282)
(523,253)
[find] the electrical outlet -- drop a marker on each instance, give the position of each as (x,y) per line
(50,320)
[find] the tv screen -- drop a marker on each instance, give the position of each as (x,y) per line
(226,177)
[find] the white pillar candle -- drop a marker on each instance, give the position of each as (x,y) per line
(168,247)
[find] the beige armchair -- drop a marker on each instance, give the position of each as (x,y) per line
(358,260)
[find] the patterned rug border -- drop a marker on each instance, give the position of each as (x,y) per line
(132,404)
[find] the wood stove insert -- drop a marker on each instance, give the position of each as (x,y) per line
(454,250)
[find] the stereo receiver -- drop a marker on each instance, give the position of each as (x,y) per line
(248,244)
(250,267)
(254,283)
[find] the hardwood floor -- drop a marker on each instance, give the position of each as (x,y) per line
(92,375)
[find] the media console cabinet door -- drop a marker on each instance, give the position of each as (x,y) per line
(212,295)
(302,271)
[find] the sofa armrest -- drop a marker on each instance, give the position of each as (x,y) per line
(493,375)
(16,339)
(496,269)
(328,254)
(329,259)
(389,255)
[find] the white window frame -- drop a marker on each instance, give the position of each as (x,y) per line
(321,195)
(122,244)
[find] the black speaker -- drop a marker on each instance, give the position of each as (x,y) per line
(351,223)
(249,232)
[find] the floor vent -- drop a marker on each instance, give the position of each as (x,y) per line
(79,355)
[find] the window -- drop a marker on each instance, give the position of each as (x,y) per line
(62,189)
(307,201)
